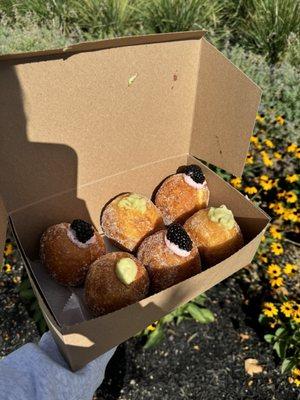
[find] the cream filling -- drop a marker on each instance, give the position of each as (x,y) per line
(72,236)
(176,249)
(194,184)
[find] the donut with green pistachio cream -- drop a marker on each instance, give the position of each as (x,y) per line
(216,233)
(114,281)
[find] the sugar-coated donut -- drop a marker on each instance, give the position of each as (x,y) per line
(129,218)
(169,256)
(67,250)
(182,194)
(216,234)
(114,281)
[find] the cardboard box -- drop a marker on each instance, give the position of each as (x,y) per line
(82,124)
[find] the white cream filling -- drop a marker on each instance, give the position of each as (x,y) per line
(194,184)
(176,249)
(72,236)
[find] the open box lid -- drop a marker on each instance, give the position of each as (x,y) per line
(70,117)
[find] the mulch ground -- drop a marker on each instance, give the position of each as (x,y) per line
(194,362)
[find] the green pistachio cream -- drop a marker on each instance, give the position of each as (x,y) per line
(134,201)
(126,270)
(222,215)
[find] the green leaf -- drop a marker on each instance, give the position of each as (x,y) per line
(261,319)
(279,331)
(202,315)
(269,338)
(200,299)
(179,320)
(24,285)
(167,318)
(27,294)
(155,337)
(280,348)
(287,365)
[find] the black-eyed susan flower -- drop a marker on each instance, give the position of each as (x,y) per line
(277,208)
(152,327)
(295,376)
(289,214)
(296,318)
(264,178)
(296,309)
(267,185)
(266,159)
(7,268)
(274,270)
(280,119)
(250,189)
(249,159)
(276,248)
(254,140)
(292,178)
(277,282)
(275,232)
(291,197)
(277,155)
(260,118)
(290,269)
(292,148)
(8,250)
(269,143)
(264,259)
(269,310)
(236,182)
(287,309)
(281,195)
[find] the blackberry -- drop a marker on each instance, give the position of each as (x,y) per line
(83,230)
(195,173)
(178,235)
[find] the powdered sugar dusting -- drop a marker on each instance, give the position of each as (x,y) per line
(194,184)
(177,250)
(72,236)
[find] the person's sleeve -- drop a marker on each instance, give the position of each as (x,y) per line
(39,372)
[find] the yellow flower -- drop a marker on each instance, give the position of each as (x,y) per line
(264,178)
(296,310)
(269,143)
(291,148)
(290,269)
(152,327)
(250,189)
(263,238)
(280,120)
(274,270)
(277,282)
(260,118)
(254,139)
(273,323)
(289,215)
(277,155)
(291,197)
(287,309)
(296,318)
(296,371)
(292,178)
(277,207)
(267,185)
(249,159)
(236,182)
(280,195)
(264,259)
(266,159)
(7,268)
(276,248)
(270,310)
(275,233)
(8,249)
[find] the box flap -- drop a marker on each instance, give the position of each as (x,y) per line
(3,228)
(225,108)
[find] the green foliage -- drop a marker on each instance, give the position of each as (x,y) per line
(180,15)
(268,25)
(285,341)
(195,309)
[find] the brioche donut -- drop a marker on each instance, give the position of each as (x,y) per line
(215,233)
(67,250)
(114,281)
(182,194)
(169,256)
(129,218)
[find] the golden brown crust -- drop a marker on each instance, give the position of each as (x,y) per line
(128,227)
(164,267)
(178,201)
(105,293)
(66,262)
(214,242)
